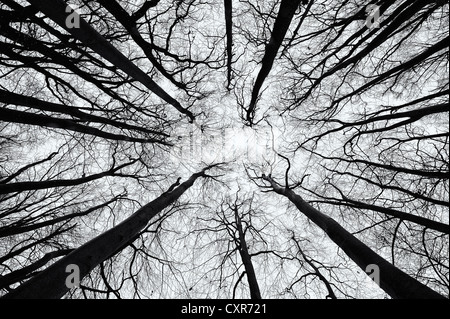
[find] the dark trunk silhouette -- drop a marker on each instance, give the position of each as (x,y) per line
(282,22)
(56,10)
(229,31)
(129,24)
(35,185)
(34,103)
(428,223)
(246,259)
(51,283)
(21,117)
(27,225)
(316,270)
(392,280)
(27,271)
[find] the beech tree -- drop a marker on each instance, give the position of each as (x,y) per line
(324,125)
(102,247)
(231,228)
(387,125)
(396,283)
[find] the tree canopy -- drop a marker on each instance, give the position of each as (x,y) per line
(224,149)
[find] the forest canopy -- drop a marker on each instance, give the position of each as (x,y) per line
(224,149)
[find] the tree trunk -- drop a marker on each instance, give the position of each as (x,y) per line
(56,10)
(51,283)
(18,275)
(19,228)
(282,23)
(422,221)
(246,260)
(34,103)
(129,24)
(392,280)
(229,31)
(14,116)
(35,185)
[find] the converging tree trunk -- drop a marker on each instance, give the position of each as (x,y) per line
(98,101)
(14,116)
(51,283)
(229,30)
(282,23)
(56,10)
(392,280)
(246,259)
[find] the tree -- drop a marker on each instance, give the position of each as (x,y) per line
(282,22)
(231,226)
(106,106)
(99,249)
(395,282)
(377,130)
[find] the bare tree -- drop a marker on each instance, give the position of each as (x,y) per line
(282,23)
(97,250)
(103,105)
(394,281)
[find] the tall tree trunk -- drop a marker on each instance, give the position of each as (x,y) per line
(34,103)
(392,280)
(422,221)
(246,259)
(19,228)
(129,23)
(51,283)
(282,23)
(14,116)
(18,275)
(229,31)
(35,185)
(56,10)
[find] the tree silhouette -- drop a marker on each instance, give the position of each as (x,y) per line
(110,107)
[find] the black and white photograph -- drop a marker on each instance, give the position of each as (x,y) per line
(224,158)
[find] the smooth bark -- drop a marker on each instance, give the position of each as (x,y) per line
(51,283)
(18,275)
(35,185)
(393,281)
(229,32)
(56,10)
(14,116)
(282,23)
(34,103)
(246,260)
